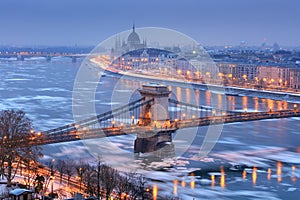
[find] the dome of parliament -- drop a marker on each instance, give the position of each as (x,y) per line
(133,38)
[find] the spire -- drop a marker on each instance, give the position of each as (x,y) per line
(133,27)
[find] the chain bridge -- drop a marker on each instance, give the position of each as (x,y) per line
(153,118)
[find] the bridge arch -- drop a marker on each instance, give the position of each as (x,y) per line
(155,113)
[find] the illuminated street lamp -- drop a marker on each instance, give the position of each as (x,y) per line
(176,123)
(179,72)
(80,178)
(52,175)
(188,72)
(213,112)
(295,106)
(113,124)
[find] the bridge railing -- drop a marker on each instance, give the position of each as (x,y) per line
(114,114)
(187,110)
(109,115)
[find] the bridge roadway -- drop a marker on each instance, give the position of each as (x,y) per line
(237,117)
(48,56)
(74,135)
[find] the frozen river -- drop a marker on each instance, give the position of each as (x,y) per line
(251,160)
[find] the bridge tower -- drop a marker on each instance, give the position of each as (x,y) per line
(20,57)
(74,59)
(155,115)
(156,112)
(48,58)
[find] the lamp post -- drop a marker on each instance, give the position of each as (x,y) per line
(52,175)
(176,123)
(132,117)
(80,178)
(113,124)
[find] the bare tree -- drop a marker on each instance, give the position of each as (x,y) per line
(15,135)
(61,167)
(98,173)
(109,179)
(45,178)
(138,185)
(69,169)
(31,171)
(29,159)
(39,183)
(88,178)
(81,168)
(123,184)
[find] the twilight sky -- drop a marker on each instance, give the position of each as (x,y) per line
(88,22)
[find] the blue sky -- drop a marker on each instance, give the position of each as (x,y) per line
(88,22)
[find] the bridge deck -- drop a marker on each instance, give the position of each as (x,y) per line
(238,117)
(48,138)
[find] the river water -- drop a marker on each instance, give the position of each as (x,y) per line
(251,160)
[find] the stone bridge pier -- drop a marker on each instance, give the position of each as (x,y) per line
(154,115)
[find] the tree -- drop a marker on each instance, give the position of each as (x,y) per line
(81,168)
(69,169)
(47,176)
(123,184)
(29,158)
(88,178)
(98,172)
(138,184)
(39,182)
(15,137)
(61,167)
(30,171)
(109,178)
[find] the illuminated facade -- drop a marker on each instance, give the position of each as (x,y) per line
(274,76)
(294,79)
(238,73)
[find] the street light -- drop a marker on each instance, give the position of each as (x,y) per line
(176,123)
(80,178)
(179,72)
(52,175)
(113,123)
(132,117)
(155,125)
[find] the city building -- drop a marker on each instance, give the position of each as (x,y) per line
(273,76)
(133,42)
(294,82)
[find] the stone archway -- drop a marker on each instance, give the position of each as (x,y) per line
(147,116)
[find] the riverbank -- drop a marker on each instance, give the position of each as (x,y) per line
(220,89)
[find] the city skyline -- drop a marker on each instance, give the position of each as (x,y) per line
(208,22)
